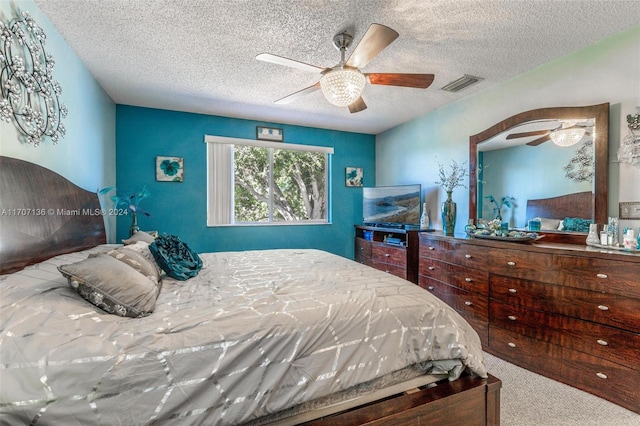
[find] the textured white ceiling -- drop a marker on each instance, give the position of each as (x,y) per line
(199,55)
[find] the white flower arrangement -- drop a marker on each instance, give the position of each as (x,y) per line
(455,178)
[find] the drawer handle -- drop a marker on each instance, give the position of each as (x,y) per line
(430,287)
(468,280)
(602,276)
(387,255)
(468,256)
(603,307)
(513,290)
(510,263)
(512,317)
(602,342)
(511,345)
(602,375)
(431,248)
(432,268)
(468,303)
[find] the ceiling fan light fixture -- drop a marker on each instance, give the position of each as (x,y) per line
(342,86)
(567,136)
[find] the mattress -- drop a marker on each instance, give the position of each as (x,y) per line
(255,333)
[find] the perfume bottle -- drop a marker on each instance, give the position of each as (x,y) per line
(593,239)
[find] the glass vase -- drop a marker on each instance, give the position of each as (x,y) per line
(424,219)
(448,215)
(134,224)
(593,239)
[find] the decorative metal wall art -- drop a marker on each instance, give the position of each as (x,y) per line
(30,95)
(581,167)
(629,151)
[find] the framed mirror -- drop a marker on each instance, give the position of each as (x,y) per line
(552,161)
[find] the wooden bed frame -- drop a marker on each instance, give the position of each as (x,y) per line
(579,204)
(71,221)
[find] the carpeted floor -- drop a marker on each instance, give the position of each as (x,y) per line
(528,399)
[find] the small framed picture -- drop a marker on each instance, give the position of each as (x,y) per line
(269,134)
(630,210)
(169,169)
(354,176)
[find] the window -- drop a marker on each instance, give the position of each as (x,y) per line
(261,182)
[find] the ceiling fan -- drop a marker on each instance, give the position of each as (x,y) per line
(342,84)
(568,133)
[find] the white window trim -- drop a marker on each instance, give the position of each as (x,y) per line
(217,145)
(267,144)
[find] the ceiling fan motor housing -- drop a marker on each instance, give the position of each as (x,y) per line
(342,42)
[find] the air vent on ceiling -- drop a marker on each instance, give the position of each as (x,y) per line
(459,84)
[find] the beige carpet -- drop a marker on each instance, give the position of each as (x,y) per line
(529,399)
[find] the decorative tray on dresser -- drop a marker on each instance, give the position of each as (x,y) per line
(568,312)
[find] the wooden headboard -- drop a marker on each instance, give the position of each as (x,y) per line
(42,215)
(579,204)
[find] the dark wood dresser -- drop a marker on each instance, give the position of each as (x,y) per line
(400,258)
(567,312)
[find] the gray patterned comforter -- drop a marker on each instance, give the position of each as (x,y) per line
(255,333)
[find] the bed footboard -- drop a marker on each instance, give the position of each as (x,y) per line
(468,400)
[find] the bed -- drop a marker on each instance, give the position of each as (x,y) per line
(576,208)
(258,337)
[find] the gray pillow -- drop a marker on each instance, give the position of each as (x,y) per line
(139,236)
(137,261)
(112,285)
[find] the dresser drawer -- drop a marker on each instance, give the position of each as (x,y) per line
(435,248)
(477,318)
(456,252)
(609,309)
(603,275)
(387,254)
(398,271)
(362,252)
(524,264)
(584,336)
(466,278)
(467,303)
(608,380)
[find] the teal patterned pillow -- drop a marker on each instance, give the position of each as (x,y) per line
(576,224)
(175,257)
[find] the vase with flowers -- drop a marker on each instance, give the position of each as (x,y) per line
(449,181)
(130,201)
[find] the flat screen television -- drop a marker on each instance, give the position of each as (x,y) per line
(393,206)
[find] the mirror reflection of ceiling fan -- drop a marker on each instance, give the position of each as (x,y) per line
(567,133)
(342,84)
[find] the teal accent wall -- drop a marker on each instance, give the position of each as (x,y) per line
(181,208)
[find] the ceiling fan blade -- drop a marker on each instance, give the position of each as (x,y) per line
(357,106)
(420,81)
(374,41)
(299,94)
(275,59)
(528,134)
(539,141)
